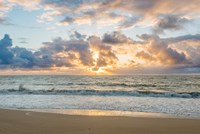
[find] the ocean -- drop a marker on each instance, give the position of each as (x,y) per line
(177,95)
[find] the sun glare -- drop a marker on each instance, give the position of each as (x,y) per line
(100,71)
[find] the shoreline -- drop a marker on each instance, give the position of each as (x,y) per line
(93,112)
(106,113)
(23,122)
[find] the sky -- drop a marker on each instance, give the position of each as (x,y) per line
(99,37)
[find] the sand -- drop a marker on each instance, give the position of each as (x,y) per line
(23,122)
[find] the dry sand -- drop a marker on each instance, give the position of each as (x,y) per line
(22,122)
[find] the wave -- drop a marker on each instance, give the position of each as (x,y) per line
(139,93)
(100,84)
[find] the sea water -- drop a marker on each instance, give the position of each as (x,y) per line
(177,95)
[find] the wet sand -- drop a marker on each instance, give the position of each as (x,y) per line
(24,122)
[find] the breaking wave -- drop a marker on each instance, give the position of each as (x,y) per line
(139,93)
(100,84)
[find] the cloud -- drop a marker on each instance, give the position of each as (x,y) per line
(27,4)
(76,52)
(128,22)
(161,51)
(175,55)
(116,38)
(178,54)
(68,52)
(118,13)
(195,37)
(5,54)
(123,14)
(4,8)
(106,57)
(190,44)
(46,57)
(170,22)
(104,54)
(15,57)
(145,55)
(67,20)
(87,11)
(78,36)
(23,58)
(7,5)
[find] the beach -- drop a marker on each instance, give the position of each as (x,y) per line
(147,104)
(27,122)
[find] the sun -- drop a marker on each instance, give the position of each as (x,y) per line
(100,71)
